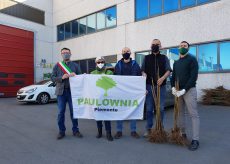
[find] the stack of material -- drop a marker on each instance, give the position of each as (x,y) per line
(217,96)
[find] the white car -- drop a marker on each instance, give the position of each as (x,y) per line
(42,92)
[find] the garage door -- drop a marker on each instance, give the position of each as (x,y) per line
(16,60)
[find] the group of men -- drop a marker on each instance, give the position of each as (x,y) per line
(156,68)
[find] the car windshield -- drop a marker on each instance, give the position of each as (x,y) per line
(42,82)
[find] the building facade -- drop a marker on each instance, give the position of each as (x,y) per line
(102,28)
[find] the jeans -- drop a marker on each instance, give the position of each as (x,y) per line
(107,125)
(132,125)
(61,101)
(150,105)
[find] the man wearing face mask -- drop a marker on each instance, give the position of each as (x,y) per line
(127,67)
(61,78)
(152,64)
(185,70)
(101,69)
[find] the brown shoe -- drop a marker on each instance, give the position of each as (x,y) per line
(60,136)
(77,134)
(118,135)
(135,135)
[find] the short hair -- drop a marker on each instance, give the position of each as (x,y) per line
(65,49)
(156,39)
(186,43)
(99,58)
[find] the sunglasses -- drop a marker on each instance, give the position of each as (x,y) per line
(102,62)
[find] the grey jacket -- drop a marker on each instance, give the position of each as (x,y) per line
(57,74)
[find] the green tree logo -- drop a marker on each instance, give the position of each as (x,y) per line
(106,83)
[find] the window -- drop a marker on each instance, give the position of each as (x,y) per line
(141,8)
(82,26)
(224,56)
(207,57)
(149,8)
(87,65)
(192,51)
(60,32)
(170,5)
(91,23)
(75,26)
(83,65)
(203,1)
(100,20)
(91,65)
(111,18)
(68,30)
(187,3)
(139,57)
(155,7)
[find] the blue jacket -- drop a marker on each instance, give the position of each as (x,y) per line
(135,68)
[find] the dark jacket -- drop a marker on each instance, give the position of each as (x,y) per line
(185,70)
(152,63)
(57,74)
(129,69)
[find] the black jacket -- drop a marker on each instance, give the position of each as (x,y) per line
(154,63)
(185,70)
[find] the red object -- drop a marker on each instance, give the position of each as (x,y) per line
(16,60)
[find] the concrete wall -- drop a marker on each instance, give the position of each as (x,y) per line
(43,33)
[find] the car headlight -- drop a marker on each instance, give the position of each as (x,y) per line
(31,90)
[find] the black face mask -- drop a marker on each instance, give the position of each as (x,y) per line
(126,55)
(155,48)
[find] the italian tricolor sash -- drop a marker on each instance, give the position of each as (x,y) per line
(64,67)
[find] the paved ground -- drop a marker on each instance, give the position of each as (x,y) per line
(28,136)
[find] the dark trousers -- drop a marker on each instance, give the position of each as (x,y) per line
(62,100)
(107,125)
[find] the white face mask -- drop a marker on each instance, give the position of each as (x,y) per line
(101,65)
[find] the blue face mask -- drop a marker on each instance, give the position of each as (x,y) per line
(66,56)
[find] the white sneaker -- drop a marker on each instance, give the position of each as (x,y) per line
(146,134)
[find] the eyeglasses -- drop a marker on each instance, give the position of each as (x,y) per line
(102,62)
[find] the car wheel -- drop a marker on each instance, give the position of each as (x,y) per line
(43,98)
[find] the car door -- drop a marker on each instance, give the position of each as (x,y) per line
(52,88)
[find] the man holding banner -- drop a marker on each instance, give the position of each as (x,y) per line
(60,75)
(127,67)
(100,69)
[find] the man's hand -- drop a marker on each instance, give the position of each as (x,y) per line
(174,91)
(180,93)
(72,74)
(65,76)
(160,81)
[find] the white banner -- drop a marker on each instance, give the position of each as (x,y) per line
(108,97)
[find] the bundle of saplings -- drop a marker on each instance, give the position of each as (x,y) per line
(157,134)
(176,134)
(217,96)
